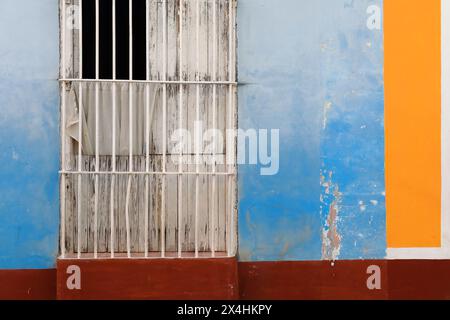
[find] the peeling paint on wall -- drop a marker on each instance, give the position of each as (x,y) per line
(311,69)
(314,70)
(330,201)
(352,143)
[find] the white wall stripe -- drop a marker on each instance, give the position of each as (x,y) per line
(445,56)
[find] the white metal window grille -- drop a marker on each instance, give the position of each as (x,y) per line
(127,191)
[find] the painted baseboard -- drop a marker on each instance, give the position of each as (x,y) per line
(28,284)
(310,280)
(228,279)
(140,279)
(345,280)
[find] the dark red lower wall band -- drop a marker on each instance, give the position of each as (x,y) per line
(310,280)
(192,279)
(398,280)
(28,284)
(418,279)
(227,279)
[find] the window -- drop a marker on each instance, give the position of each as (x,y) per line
(141,82)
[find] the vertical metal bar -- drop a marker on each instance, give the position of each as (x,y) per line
(235,128)
(130,124)
(97,124)
(147,123)
(214,106)
(113,177)
(197,117)
(180,166)
(164,161)
(80,132)
(63,133)
(130,95)
(80,121)
(231,125)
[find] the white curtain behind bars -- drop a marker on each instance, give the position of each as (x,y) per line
(105,108)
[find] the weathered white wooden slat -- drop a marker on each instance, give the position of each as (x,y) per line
(210,207)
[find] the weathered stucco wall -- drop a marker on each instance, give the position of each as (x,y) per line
(29,137)
(314,70)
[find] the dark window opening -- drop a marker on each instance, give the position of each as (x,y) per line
(122,40)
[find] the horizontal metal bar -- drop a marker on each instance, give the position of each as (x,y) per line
(151,81)
(128,173)
(153,255)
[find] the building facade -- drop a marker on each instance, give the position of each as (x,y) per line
(356,94)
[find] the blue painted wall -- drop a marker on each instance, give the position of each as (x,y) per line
(29,134)
(314,70)
(310,68)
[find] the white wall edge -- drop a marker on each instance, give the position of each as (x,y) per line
(418,253)
(445,118)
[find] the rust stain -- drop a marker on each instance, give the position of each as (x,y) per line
(331,239)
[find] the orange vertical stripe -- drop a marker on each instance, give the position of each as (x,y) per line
(412,30)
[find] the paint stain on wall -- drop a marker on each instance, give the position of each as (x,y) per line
(331,239)
(324,90)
